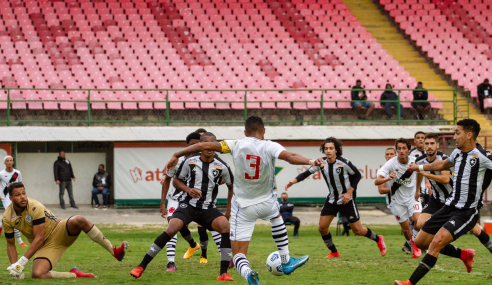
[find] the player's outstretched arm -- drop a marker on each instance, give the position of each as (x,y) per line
(301,177)
(230,193)
(435,166)
(196,148)
(296,159)
(443,178)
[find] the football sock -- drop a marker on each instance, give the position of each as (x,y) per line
(452,251)
(57,275)
(202,232)
(217,238)
(171,249)
(18,236)
(425,266)
(242,265)
(97,236)
(279,234)
(329,242)
(372,235)
(154,249)
(225,253)
(415,233)
(485,240)
(409,242)
(186,234)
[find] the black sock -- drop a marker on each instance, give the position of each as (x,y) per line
(225,253)
(329,242)
(186,234)
(485,240)
(202,232)
(372,235)
(452,251)
(425,266)
(155,248)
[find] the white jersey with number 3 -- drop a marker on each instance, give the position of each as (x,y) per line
(254,169)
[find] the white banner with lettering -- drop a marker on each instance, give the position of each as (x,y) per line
(138,171)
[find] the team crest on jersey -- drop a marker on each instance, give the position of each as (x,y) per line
(28,218)
(473,161)
(171,210)
(339,170)
(215,173)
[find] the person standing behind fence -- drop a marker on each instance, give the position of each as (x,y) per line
(7,176)
(388,95)
(101,183)
(63,171)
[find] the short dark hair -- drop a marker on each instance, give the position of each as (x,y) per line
(432,136)
(470,125)
(338,145)
(200,130)
(418,133)
(207,134)
(59,152)
(192,136)
(15,185)
(390,148)
(420,83)
(358,80)
(284,193)
(403,140)
(101,165)
(254,124)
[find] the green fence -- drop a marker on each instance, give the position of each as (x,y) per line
(181,107)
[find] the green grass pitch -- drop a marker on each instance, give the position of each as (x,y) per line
(360,262)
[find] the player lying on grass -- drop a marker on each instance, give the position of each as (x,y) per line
(341,178)
(49,236)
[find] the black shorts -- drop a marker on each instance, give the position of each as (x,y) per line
(433,206)
(348,210)
(458,222)
(203,217)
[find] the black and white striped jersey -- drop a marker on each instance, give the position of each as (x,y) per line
(339,177)
(204,176)
(174,193)
(414,152)
(440,191)
(469,168)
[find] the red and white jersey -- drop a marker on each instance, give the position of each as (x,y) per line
(254,168)
(5,177)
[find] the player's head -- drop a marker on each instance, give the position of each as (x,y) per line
(389,153)
(284,197)
(431,144)
(358,83)
(208,137)
(201,131)
(192,138)
(467,130)
(61,154)
(17,193)
(254,127)
(8,161)
(331,147)
(101,168)
(418,140)
(402,148)
(420,85)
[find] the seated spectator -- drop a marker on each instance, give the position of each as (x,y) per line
(484,91)
(387,95)
(359,100)
(286,210)
(422,108)
(101,183)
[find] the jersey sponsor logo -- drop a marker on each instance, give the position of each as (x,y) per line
(405,182)
(28,218)
(136,174)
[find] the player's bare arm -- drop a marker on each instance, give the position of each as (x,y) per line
(179,184)
(292,182)
(196,148)
(383,190)
(11,250)
(230,193)
(296,159)
(38,241)
(347,196)
(435,166)
(420,176)
(165,189)
(381,179)
(444,178)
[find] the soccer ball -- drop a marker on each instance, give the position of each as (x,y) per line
(274,264)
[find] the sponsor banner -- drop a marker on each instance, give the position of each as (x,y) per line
(138,171)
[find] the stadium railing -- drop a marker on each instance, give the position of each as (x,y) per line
(22,106)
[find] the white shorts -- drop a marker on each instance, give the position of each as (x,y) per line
(243,220)
(172,205)
(402,212)
(417,207)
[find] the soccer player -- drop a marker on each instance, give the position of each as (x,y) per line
(418,151)
(199,176)
(254,192)
(341,177)
(459,215)
(442,187)
(49,236)
(9,175)
(172,204)
(402,192)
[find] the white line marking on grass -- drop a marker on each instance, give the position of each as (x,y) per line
(456,271)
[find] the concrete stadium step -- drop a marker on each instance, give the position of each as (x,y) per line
(368,13)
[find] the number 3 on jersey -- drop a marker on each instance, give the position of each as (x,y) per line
(255,163)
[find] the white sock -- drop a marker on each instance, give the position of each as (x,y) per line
(415,233)
(171,249)
(18,236)
(217,239)
(242,265)
(279,234)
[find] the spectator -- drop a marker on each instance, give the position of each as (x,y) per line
(101,183)
(286,210)
(63,177)
(359,100)
(484,91)
(387,95)
(422,108)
